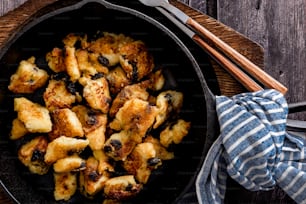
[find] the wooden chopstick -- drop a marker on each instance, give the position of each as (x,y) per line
(235,71)
(238,58)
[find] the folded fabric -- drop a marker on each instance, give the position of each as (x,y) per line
(253,148)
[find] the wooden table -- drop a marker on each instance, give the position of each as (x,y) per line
(229,86)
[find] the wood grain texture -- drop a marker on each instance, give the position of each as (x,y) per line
(8,5)
(280,27)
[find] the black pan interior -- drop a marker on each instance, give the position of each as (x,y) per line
(165,185)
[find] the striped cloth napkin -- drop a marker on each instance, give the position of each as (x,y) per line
(253,148)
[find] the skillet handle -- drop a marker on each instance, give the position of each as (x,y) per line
(297,107)
(296,125)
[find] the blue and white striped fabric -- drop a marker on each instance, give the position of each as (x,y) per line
(253,148)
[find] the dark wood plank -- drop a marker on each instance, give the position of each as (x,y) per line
(280,27)
(8,5)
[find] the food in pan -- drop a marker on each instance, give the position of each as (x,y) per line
(102,107)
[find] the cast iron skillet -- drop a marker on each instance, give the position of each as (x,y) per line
(175,181)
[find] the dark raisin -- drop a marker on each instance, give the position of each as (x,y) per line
(92,119)
(31,81)
(135,71)
(153,161)
(107,149)
(93,176)
(129,187)
(60,76)
(103,60)
(71,87)
(37,156)
(116,144)
(97,76)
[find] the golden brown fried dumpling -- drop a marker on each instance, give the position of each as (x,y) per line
(18,129)
(168,102)
(35,117)
(32,154)
(94,125)
(156,80)
(62,147)
(89,63)
(117,79)
(103,159)
(65,185)
(65,122)
(121,187)
(107,46)
(91,180)
(96,93)
(119,145)
(71,64)
(57,96)
(135,60)
(142,161)
(161,151)
(71,39)
(69,163)
(127,93)
(136,116)
(174,133)
(28,77)
(55,59)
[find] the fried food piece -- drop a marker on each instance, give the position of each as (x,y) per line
(32,154)
(89,63)
(70,163)
(92,181)
(127,93)
(62,147)
(119,145)
(103,159)
(35,117)
(96,92)
(168,102)
(136,116)
(157,80)
(161,151)
(135,60)
(107,46)
(65,185)
(174,133)
(18,129)
(65,122)
(55,60)
(142,161)
(83,61)
(57,96)
(71,64)
(71,39)
(28,77)
(117,79)
(121,187)
(94,125)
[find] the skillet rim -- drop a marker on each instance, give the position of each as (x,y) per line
(209,98)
